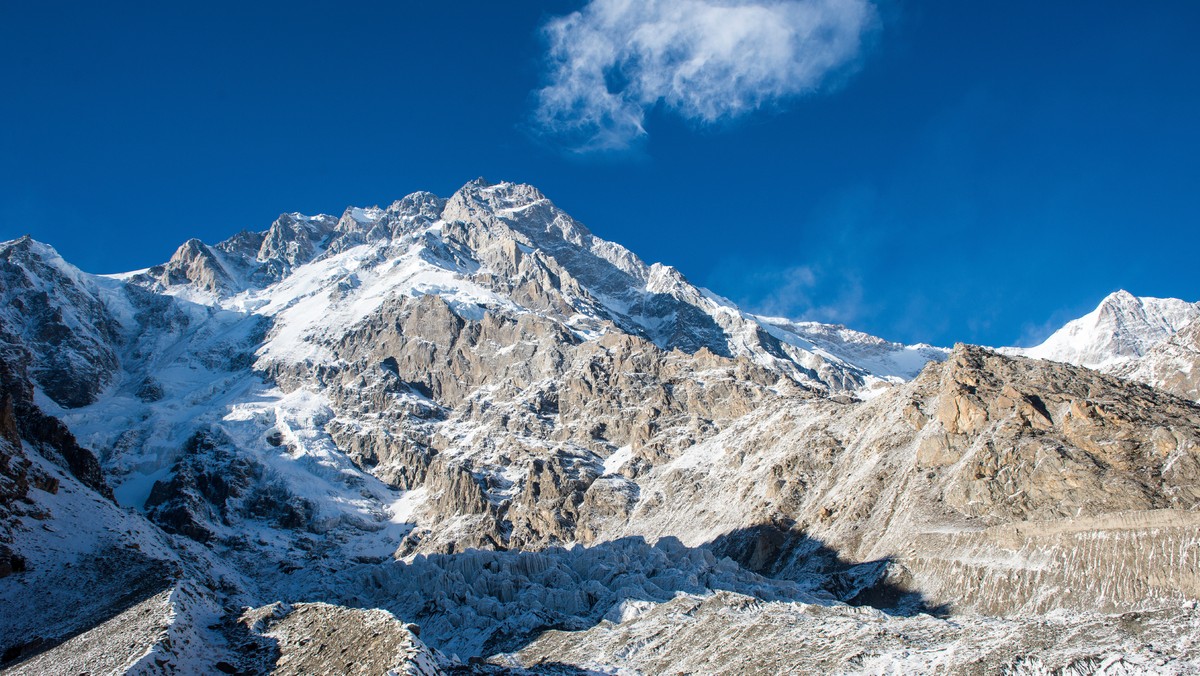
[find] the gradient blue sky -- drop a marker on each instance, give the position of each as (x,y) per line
(980,171)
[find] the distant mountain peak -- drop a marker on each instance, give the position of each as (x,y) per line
(1123,327)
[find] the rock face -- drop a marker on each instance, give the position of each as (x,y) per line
(1173,365)
(53,312)
(211,484)
(982,467)
(23,422)
(194,264)
(542,410)
(474,414)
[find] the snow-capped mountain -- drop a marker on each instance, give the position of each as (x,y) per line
(1148,340)
(503,249)
(1121,329)
(1172,365)
(231,336)
(472,413)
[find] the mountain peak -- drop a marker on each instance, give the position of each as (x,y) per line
(502,195)
(23,240)
(1121,328)
(1120,296)
(1124,302)
(29,244)
(27,248)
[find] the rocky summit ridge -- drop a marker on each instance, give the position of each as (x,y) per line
(502,443)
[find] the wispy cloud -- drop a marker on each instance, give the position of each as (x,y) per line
(804,292)
(706,60)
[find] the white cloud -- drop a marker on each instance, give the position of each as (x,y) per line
(810,292)
(707,60)
(793,293)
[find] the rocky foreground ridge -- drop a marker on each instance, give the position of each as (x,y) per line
(499,443)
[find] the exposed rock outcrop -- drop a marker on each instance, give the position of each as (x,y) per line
(987,482)
(21,421)
(212,484)
(194,264)
(60,319)
(319,638)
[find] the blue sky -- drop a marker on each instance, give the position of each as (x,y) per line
(933,171)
